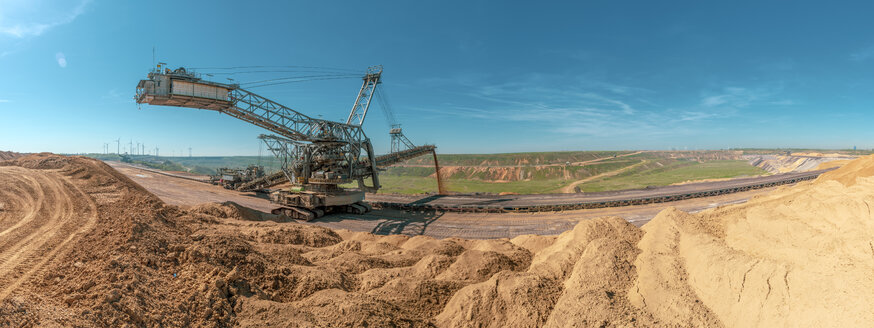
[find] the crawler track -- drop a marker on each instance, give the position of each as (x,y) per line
(41,215)
(564,202)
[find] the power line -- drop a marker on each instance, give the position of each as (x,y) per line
(260,146)
(382,98)
(278,83)
(300,77)
(285,66)
(273,71)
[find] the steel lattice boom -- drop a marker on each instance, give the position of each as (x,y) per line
(365,95)
(316,151)
(317,155)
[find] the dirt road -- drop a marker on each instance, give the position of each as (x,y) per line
(41,214)
(570,187)
(439,224)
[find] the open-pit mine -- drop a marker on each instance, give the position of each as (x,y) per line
(86,244)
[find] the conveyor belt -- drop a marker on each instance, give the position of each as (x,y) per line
(394,158)
(564,202)
(264,182)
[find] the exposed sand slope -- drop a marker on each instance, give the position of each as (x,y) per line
(800,256)
(34,231)
(798,162)
(831,164)
(850,172)
(7,155)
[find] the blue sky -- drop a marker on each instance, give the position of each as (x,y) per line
(469,76)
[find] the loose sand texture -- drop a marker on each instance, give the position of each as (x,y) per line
(797,162)
(799,256)
(831,164)
(7,155)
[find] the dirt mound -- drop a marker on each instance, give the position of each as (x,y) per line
(7,155)
(228,210)
(145,263)
(798,162)
(850,172)
(580,278)
(835,163)
(800,255)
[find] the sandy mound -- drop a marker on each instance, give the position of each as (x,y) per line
(799,162)
(849,172)
(800,256)
(149,264)
(7,155)
(227,210)
(579,279)
(831,164)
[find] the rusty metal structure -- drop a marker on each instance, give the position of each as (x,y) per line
(317,155)
(233,178)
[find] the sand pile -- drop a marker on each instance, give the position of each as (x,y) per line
(149,264)
(776,164)
(800,256)
(831,164)
(851,171)
(7,155)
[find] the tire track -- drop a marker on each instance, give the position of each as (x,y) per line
(35,225)
(48,223)
(25,204)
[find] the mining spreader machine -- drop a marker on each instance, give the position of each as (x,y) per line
(317,155)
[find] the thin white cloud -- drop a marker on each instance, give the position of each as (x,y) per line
(578,107)
(620,104)
(714,101)
(559,105)
(863,54)
(735,97)
(623,90)
(62,60)
(4,101)
(731,101)
(695,116)
(785,102)
(23,19)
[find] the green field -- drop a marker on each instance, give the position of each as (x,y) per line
(421,185)
(640,177)
(674,174)
(538,158)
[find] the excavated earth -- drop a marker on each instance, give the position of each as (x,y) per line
(81,245)
(800,162)
(7,155)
